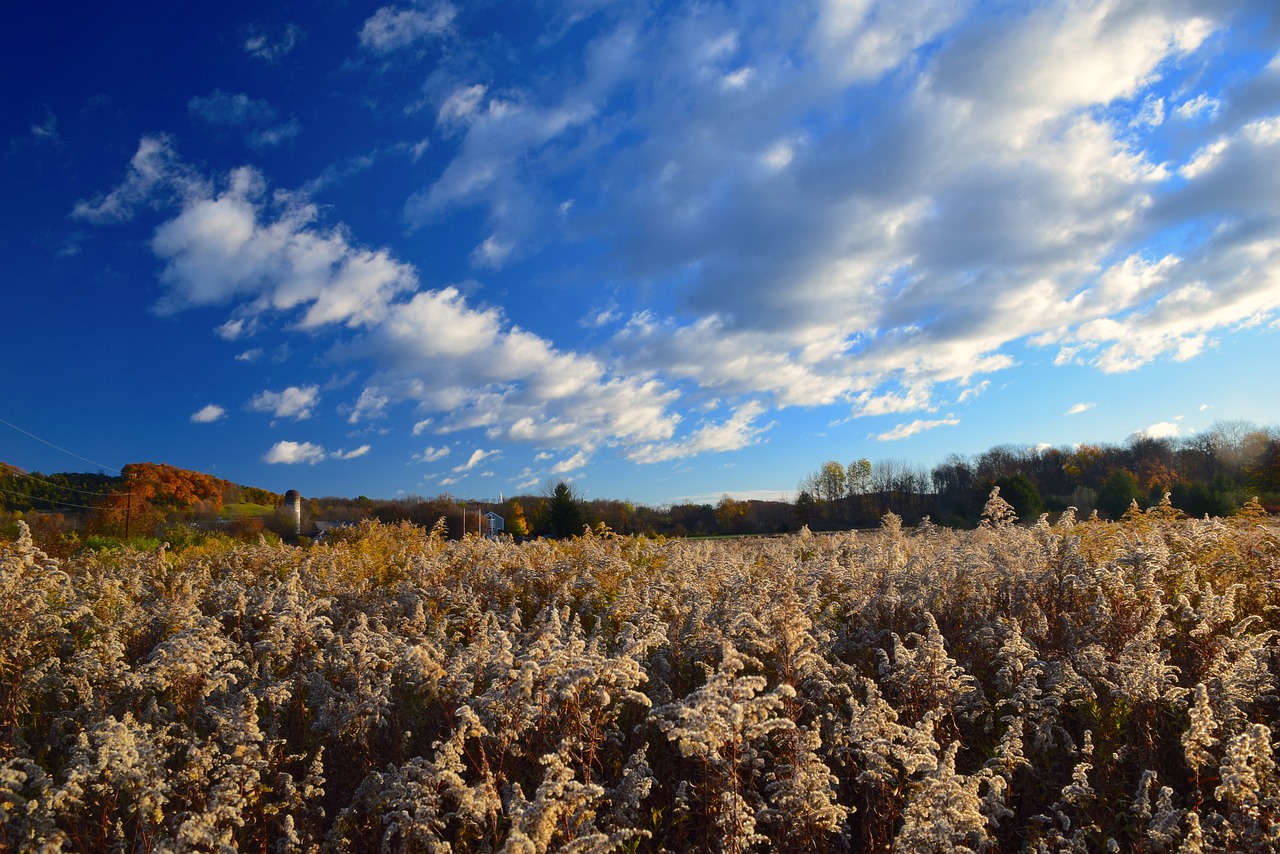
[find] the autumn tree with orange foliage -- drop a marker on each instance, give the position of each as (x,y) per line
(156,492)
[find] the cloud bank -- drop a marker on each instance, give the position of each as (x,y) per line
(870,206)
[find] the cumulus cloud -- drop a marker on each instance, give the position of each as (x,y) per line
(1080,407)
(290,453)
(208,414)
(1161,430)
(269,254)
(352,454)
(296,402)
(737,431)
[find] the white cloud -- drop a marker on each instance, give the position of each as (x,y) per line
(432,454)
(290,453)
(491,253)
(738,79)
(779,155)
(208,414)
(1080,407)
(296,402)
(911,399)
(973,391)
(1010,193)
(860,41)
(602,317)
(572,463)
(392,28)
(738,431)
(1160,430)
(221,248)
(478,456)
(268,256)
(260,45)
(372,404)
(1151,114)
(352,454)
(275,135)
(1200,105)
(420,427)
(155,176)
(232,329)
(462,106)
(902,431)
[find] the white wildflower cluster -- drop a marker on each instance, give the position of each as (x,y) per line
(1075,686)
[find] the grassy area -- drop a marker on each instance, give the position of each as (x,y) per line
(235,511)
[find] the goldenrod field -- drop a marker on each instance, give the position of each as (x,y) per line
(1055,687)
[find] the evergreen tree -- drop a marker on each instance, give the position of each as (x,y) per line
(566,518)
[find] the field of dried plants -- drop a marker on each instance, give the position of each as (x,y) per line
(1075,686)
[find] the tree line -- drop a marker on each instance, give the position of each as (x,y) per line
(1208,473)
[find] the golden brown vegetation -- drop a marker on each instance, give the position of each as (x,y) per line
(1073,686)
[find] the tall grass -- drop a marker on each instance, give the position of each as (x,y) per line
(1069,687)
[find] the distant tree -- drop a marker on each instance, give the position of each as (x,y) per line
(1199,499)
(517,525)
(1118,491)
(694,519)
(953,482)
(1020,491)
(857,476)
(1002,461)
(1264,475)
(831,489)
(730,514)
(1089,465)
(1152,462)
(806,505)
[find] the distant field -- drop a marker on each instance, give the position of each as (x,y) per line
(234,511)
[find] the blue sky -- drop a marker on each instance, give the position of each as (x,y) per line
(663,250)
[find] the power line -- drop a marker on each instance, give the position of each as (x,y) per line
(14,471)
(56,448)
(34,500)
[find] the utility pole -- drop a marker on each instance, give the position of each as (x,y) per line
(128,507)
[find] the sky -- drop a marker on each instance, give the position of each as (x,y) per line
(664,251)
